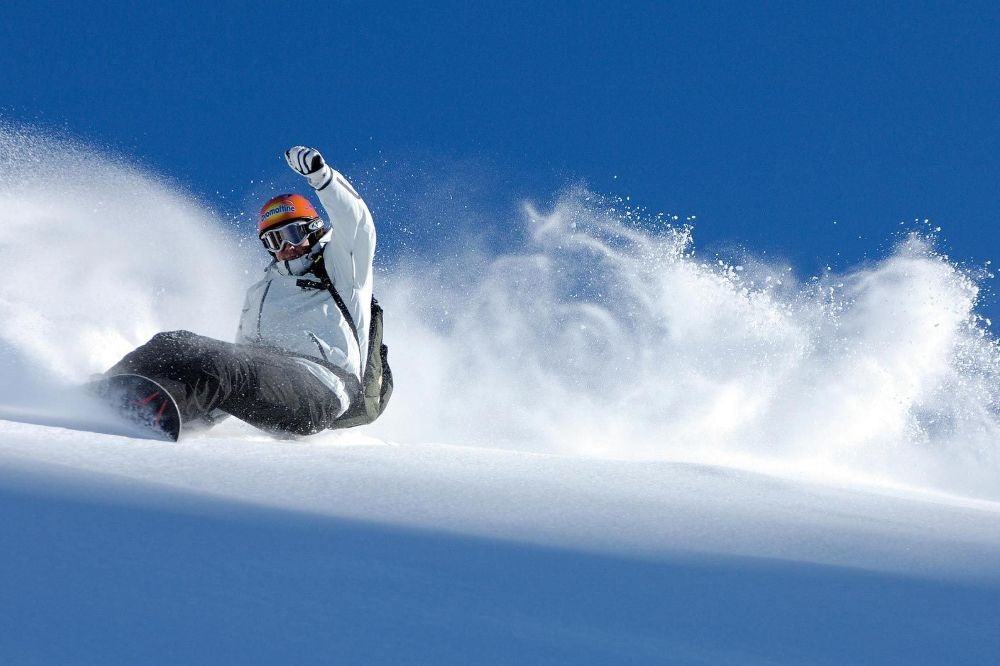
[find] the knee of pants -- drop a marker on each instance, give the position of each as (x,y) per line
(185,342)
(183,347)
(172,337)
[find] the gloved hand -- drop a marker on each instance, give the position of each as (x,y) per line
(309,163)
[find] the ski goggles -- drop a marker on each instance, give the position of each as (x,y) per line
(291,233)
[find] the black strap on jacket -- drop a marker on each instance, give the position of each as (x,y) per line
(370,395)
(318,269)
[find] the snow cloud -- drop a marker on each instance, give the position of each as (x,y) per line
(604,334)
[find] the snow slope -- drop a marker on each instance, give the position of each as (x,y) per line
(720,465)
(241,549)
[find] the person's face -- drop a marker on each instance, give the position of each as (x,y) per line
(289,252)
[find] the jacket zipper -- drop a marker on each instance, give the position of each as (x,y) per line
(260,312)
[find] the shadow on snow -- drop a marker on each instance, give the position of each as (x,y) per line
(108,580)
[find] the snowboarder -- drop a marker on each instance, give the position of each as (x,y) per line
(308,353)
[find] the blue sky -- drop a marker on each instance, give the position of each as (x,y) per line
(796,130)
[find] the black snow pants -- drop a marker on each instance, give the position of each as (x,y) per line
(263,386)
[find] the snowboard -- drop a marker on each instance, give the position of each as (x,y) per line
(141,401)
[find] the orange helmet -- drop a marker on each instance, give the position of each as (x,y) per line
(288,219)
(284,208)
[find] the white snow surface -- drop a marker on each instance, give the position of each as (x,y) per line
(644,509)
(238,548)
(649,457)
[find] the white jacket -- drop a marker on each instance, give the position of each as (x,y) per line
(279,311)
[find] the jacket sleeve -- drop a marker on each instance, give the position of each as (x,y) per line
(350,252)
(351,249)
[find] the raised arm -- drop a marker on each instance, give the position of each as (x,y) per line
(351,249)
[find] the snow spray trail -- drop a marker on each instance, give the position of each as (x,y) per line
(601,336)
(606,338)
(97,257)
